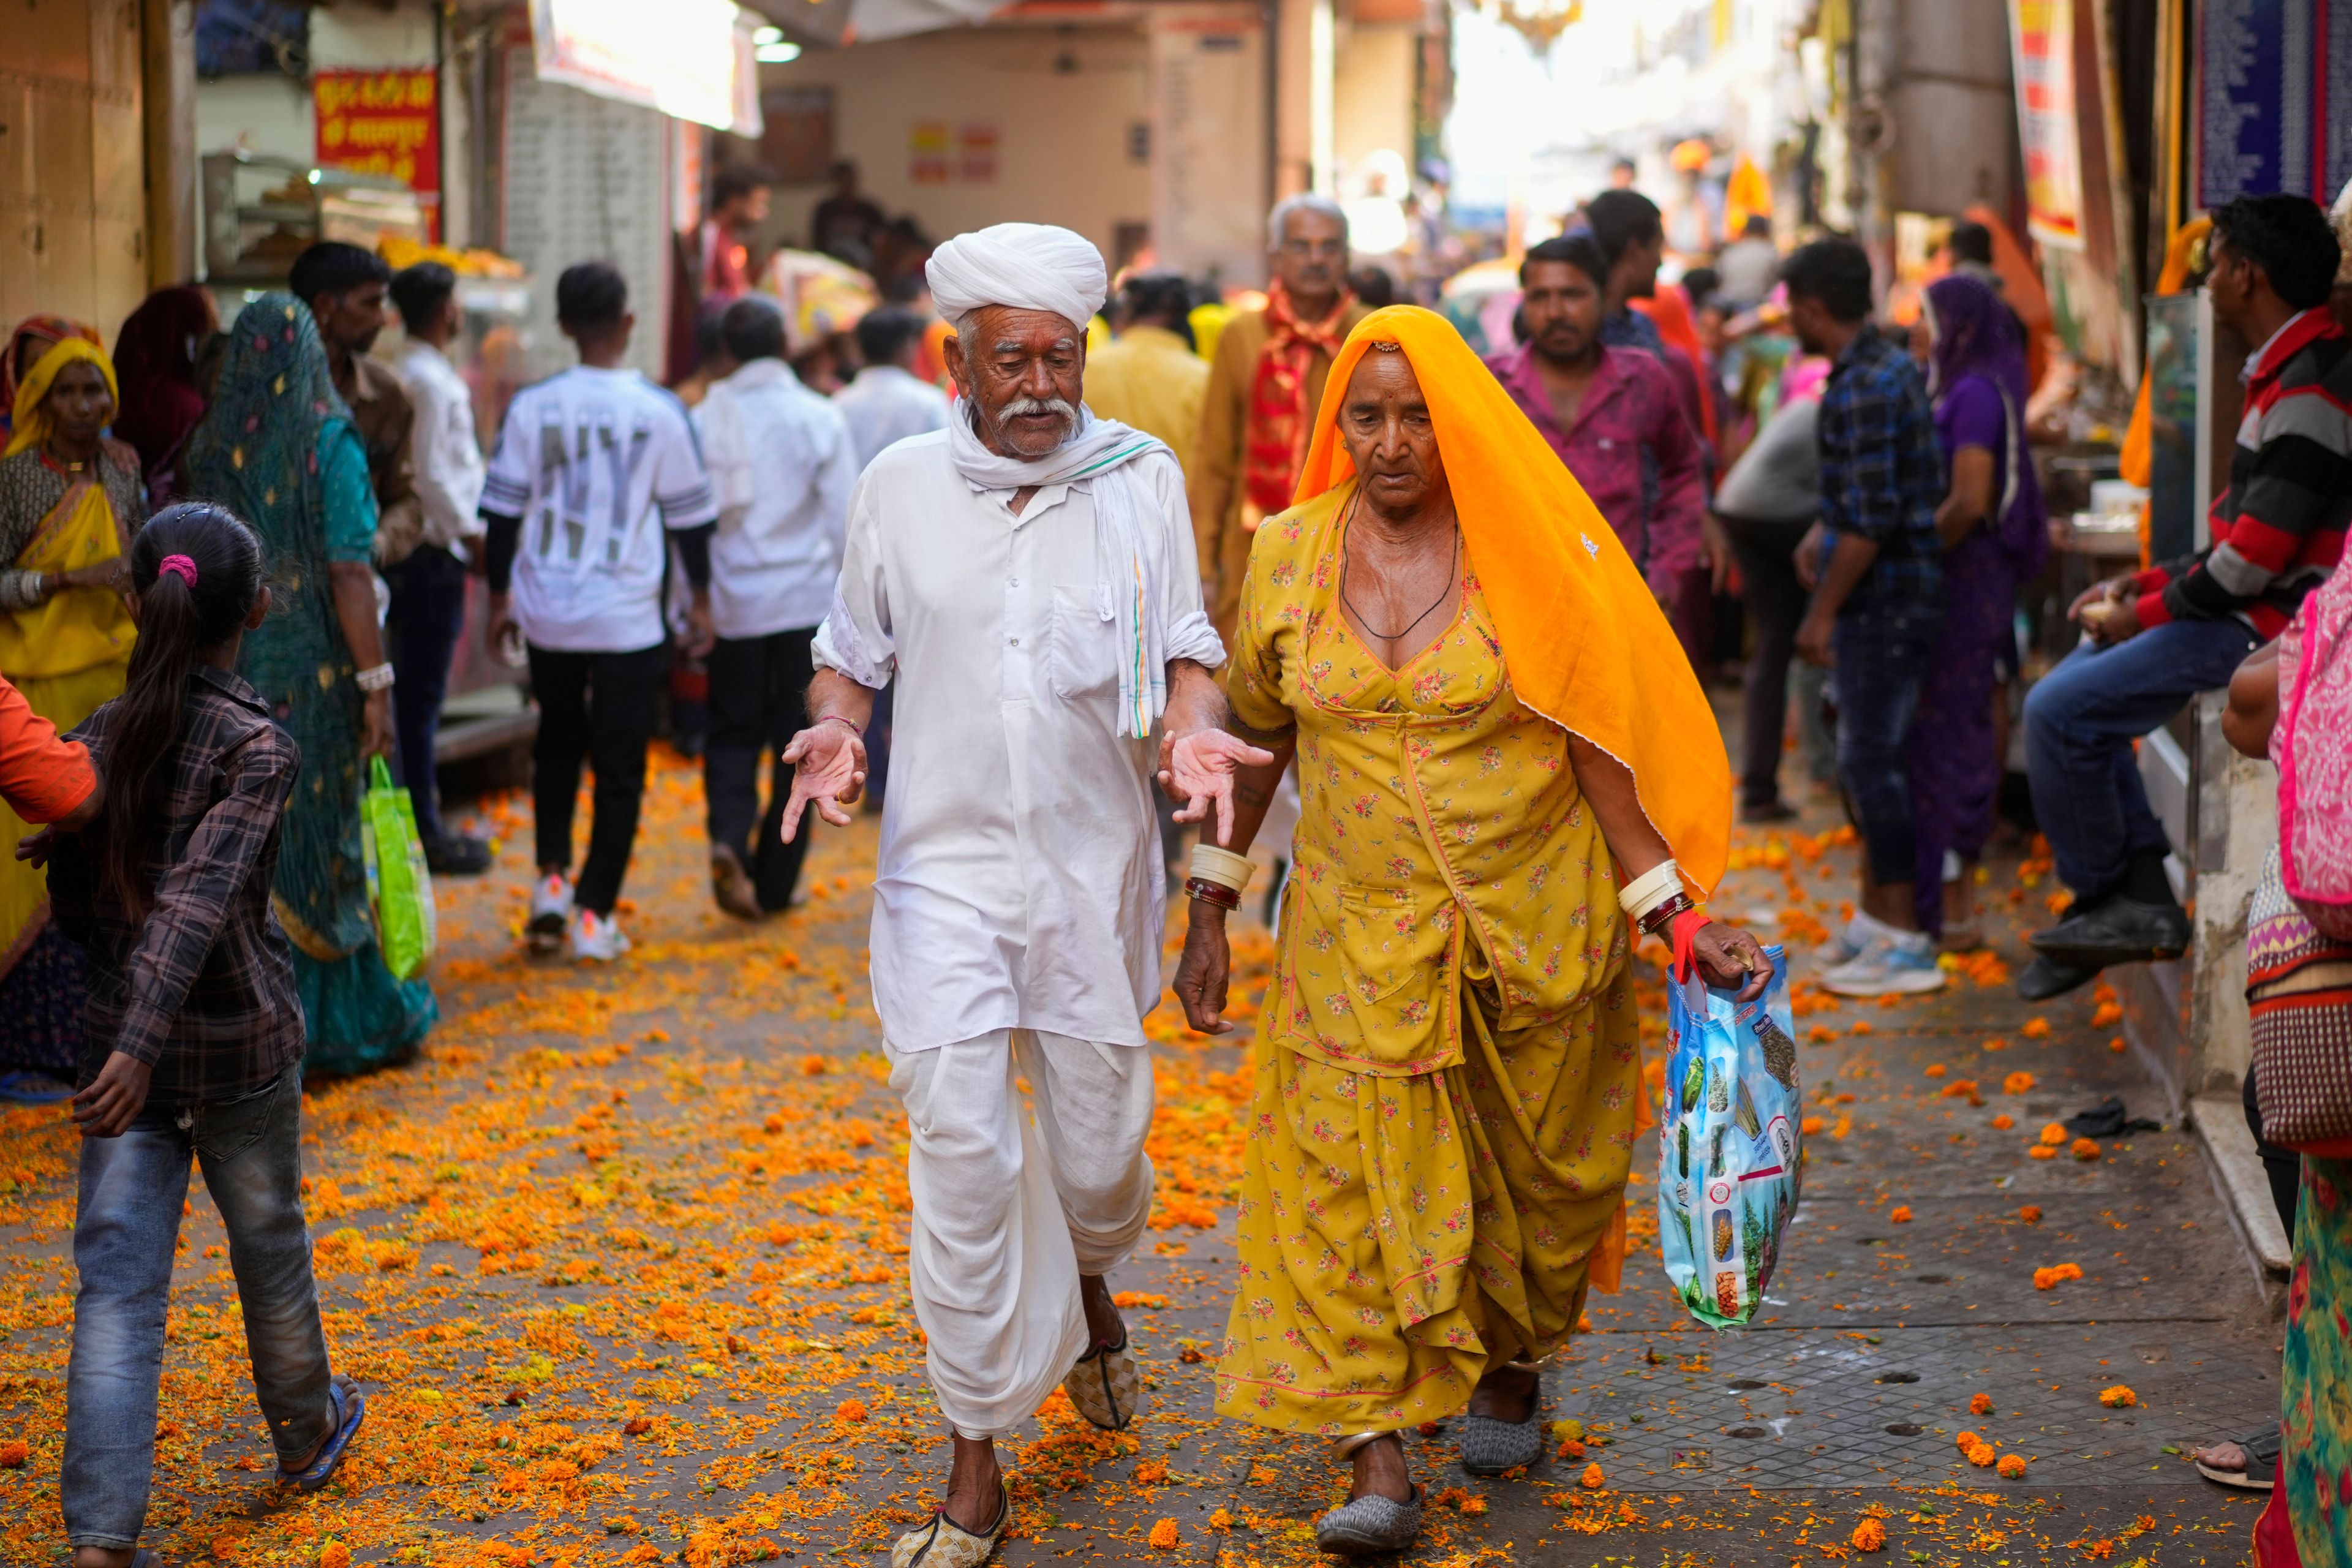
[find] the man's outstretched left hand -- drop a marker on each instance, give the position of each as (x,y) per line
(1197,770)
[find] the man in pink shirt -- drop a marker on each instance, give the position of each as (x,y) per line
(1606,411)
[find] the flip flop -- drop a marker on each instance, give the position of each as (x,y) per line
(22,1086)
(351,1409)
(2261,1474)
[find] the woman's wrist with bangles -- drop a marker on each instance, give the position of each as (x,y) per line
(1218,876)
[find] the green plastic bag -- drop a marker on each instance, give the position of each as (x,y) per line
(400,888)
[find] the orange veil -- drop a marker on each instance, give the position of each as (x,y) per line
(1586,644)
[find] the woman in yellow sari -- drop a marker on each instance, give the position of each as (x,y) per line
(1505,765)
(69,503)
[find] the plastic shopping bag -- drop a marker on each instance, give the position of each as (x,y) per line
(1731,1148)
(400,888)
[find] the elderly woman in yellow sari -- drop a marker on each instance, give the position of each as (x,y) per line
(1506,765)
(69,502)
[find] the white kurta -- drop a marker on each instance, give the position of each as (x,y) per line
(1021,883)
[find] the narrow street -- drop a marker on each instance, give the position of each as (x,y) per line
(621,1264)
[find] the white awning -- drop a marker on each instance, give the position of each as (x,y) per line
(691,59)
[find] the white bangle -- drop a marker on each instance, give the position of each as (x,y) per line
(1222,867)
(377,678)
(1651,888)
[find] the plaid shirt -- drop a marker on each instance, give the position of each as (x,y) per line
(203,988)
(1883,474)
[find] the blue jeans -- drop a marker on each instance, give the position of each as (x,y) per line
(2081,719)
(1882,657)
(428,612)
(126,1231)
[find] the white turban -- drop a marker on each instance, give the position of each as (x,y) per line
(1028,266)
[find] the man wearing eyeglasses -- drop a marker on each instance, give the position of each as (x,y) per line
(1264,388)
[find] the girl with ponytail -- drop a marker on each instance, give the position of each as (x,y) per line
(194,1033)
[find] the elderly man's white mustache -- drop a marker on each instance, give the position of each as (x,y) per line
(1024,405)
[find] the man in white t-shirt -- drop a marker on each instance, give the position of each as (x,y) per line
(428,586)
(594,470)
(781,466)
(886,401)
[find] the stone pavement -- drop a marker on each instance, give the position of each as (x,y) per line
(621,1263)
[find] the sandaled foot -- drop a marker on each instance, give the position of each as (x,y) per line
(941,1542)
(320,1465)
(2249,1464)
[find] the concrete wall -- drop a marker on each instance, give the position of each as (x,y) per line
(1208,145)
(1372,81)
(1954,116)
(1063,101)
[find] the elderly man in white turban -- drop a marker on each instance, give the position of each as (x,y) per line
(1031,570)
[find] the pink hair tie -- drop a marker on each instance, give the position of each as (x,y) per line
(181,565)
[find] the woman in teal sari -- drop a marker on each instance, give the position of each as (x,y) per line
(277,446)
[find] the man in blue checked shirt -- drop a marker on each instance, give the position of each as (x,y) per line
(1878,598)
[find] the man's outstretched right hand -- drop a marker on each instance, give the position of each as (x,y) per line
(828,770)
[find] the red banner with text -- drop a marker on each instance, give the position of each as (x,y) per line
(384,123)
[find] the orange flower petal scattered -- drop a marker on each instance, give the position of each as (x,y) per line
(2084,1149)
(1980,1454)
(1869,1536)
(2003,1122)
(2118,1045)
(1901,1215)
(13,1455)
(2050,1278)
(1936,1069)
(2036,1029)
(1966,1441)
(1164,1537)
(2011,1467)
(2119,1398)
(2055,1134)
(2031,1214)
(2017,1083)
(1591,1481)
(1980,1405)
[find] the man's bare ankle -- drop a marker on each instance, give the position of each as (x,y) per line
(103,1556)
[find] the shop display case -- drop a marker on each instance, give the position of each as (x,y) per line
(261,213)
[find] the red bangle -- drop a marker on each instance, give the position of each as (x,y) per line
(1664,916)
(837,718)
(1215,893)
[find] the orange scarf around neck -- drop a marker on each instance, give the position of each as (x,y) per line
(1274,443)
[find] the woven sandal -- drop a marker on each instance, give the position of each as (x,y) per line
(944,1543)
(1491,1447)
(1366,1526)
(1106,1387)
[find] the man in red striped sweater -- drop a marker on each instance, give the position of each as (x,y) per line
(2158,637)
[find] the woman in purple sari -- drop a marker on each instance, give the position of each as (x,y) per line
(1991,522)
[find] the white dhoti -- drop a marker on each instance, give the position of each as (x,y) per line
(1010,1207)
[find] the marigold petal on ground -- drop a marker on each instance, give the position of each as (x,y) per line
(1980,1405)
(1164,1537)
(850,1410)
(1869,1536)
(2031,1214)
(2053,1133)
(2036,1028)
(2042,1152)
(2118,1045)
(335,1554)
(1936,1069)
(1981,1455)
(2119,1398)
(13,1455)
(1966,1441)
(2085,1149)
(2011,1467)
(2017,1083)
(2003,1122)
(1592,1481)
(1900,1215)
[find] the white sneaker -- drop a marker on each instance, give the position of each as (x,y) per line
(551,911)
(597,938)
(1844,946)
(1900,963)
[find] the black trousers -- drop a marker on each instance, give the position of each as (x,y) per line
(758,690)
(1776,604)
(597,709)
(428,613)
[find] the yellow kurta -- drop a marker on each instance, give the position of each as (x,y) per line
(1447,1067)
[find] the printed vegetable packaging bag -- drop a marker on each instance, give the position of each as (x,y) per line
(400,888)
(1731,1148)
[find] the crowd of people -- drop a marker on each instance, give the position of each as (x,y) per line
(1314,572)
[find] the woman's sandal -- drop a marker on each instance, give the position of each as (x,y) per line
(1106,1387)
(944,1543)
(2261,1474)
(1492,1447)
(351,1409)
(1362,1526)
